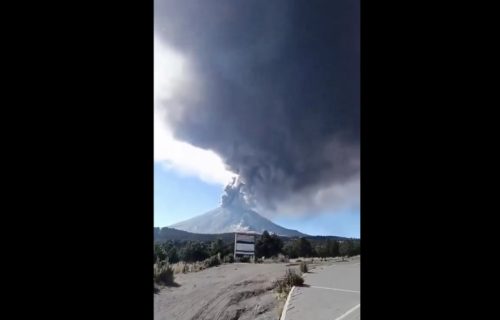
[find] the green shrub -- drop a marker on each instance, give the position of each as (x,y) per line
(268,245)
(194,251)
(303,267)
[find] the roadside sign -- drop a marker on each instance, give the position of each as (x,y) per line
(244,244)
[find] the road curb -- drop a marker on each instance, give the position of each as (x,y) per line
(283,313)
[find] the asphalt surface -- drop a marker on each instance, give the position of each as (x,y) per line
(329,292)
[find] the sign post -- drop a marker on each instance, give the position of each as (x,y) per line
(244,244)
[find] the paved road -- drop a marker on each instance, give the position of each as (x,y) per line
(329,292)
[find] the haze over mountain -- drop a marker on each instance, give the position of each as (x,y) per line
(233,215)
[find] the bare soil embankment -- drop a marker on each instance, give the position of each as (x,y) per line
(227,292)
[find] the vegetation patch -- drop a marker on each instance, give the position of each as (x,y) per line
(303,267)
(163,274)
(212,261)
(285,284)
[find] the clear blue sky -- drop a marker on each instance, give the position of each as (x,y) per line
(179,197)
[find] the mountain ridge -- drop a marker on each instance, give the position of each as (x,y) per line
(166,233)
(229,219)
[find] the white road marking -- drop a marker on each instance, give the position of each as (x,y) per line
(348,312)
(283,314)
(334,289)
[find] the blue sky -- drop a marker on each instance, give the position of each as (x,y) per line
(178,197)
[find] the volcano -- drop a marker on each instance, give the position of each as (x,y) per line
(234,215)
(232,219)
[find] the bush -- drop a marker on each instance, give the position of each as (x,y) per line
(299,248)
(345,248)
(282,258)
(163,274)
(303,267)
(229,258)
(244,259)
(194,251)
(276,259)
(212,261)
(268,245)
(290,279)
(217,247)
(196,266)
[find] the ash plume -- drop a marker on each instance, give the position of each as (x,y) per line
(236,195)
(278,95)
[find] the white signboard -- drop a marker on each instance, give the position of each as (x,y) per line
(245,247)
(244,244)
(245,237)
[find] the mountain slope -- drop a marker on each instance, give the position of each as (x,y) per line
(166,234)
(226,219)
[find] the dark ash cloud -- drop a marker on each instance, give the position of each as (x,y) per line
(280,90)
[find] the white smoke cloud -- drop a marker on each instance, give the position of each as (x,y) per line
(172,78)
(187,159)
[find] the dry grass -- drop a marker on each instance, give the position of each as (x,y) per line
(185,267)
(280,258)
(163,274)
(303,267)
(279,310)
(285,284)
(180,267)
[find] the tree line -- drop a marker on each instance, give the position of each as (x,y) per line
(266,245)
(190,251)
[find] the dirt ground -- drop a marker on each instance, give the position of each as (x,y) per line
(226,292)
